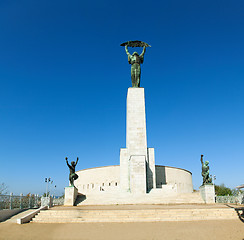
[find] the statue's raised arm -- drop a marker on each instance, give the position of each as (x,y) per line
(67,162)
(127,51)
(76,161)
(202,159)
(143,51)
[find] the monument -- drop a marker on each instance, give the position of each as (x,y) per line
(207,189)
(137,180)
(137,166)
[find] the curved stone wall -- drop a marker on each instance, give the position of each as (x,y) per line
(107,179)
(178,177)
(98,179)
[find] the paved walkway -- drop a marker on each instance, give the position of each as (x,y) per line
(202,230)
(197,230)
(14,218)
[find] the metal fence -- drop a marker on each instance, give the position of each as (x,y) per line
(13,201)
(34,201)
(239,199)
(58,201)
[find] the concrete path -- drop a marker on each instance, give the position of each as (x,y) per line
(14,218)
(202,230)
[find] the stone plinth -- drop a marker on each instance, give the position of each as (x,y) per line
(70,195)
(137,164)
(136,136)
(208,193)
(138,184)
(47,201)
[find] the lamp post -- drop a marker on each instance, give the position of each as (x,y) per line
(51,189)
(213,178)
(47,180)
(54,190)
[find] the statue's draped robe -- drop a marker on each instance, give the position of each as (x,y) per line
(135,61)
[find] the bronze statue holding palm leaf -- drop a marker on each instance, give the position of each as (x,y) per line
(135,60)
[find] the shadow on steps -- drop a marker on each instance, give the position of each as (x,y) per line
(240,213)
(80,198)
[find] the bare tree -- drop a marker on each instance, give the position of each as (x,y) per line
(3,188)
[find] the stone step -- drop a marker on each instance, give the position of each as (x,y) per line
(137,217)
(124,213)
(151,198)
(140,215)
(71,220)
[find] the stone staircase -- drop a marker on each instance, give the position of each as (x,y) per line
(130,213)
(151,198)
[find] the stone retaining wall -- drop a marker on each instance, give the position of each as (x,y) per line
(107,179)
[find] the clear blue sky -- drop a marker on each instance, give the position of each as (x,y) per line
(64,80)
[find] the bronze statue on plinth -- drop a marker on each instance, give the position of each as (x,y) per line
(205,172)
(72,175)
(135,60)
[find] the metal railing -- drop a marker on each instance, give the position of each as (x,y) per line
(14,201)
(239,199)
(58,201)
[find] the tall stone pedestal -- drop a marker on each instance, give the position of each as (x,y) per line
(137,164)
(208,193)
(70,196)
